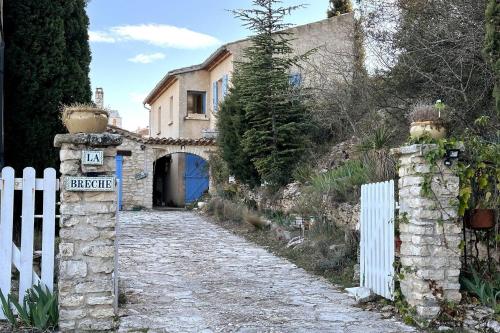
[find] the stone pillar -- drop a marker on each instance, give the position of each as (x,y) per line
(87,237)
(430,231)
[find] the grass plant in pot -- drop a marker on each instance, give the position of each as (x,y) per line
(426,121)
(84,118)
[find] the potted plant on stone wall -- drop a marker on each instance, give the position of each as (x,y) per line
(426,121)
(84,118)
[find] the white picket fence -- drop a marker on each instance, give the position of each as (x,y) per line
(377,238)
(22,258)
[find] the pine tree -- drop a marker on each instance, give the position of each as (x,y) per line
(338,7)
(273,136)
(46,64)
(231,127)
(492,45)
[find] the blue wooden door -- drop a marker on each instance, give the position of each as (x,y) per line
(119,176)
(195,177)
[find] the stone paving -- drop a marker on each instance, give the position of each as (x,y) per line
(181,273)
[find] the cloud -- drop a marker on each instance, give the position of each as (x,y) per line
(101,37)
(164,36)
(147,58)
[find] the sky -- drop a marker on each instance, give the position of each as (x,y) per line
(134,43)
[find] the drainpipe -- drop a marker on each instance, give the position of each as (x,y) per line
(149,110)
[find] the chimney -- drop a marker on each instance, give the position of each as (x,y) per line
(99,98)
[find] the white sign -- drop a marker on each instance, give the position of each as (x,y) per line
(92,157)
(90,184)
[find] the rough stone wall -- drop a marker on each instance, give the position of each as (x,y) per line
(87,239)
(429,231)
(137,193)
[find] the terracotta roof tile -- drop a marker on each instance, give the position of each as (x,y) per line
(160,141)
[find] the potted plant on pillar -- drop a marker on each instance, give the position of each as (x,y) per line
(84,118)
(426,121)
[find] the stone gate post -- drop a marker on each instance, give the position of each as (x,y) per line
(429,231)
(87,231)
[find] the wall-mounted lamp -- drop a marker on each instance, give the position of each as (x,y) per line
(451,154)
(143,147)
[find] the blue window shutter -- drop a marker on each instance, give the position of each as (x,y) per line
(214,96)
(204,103)
(295,80)
(225,82)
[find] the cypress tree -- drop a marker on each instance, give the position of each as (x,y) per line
(77,53)
(46,64)
(338,7)
(273,136)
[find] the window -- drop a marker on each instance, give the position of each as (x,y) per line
(171,110)
(158,126)
(295,80)
(220,90)
(195,102)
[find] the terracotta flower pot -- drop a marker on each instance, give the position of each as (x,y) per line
(397,244)
(85,120)
(432,129)
(481,219)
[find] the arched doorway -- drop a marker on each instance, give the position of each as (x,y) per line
(179,179)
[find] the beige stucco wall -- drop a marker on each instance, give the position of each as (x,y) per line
(192,125)
(332,39)
(167,128)
(175,182)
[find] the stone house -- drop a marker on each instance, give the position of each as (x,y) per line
(184,104)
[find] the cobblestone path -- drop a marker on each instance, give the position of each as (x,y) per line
(180,273)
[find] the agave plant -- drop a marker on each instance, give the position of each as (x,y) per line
(39,309)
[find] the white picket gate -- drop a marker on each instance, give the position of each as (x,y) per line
(377,238)
(22,258)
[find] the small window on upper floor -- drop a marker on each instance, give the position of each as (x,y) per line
(196,102)
(158,124)
(295,80)
(171,111)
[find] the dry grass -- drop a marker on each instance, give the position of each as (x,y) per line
(424,112)
(256,220)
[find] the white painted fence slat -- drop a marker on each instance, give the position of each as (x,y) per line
(27,232)
(22,258)
(16,260)
(377,238)
(48,228)
(6,229)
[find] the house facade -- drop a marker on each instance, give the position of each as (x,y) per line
(185,102)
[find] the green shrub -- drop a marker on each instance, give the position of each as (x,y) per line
(488,291)
(303,173)
(342,183)
(39,309)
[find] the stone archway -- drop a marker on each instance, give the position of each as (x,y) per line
(179,179)
(139,156)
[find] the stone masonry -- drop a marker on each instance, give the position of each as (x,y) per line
(87,238)
(429,231)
